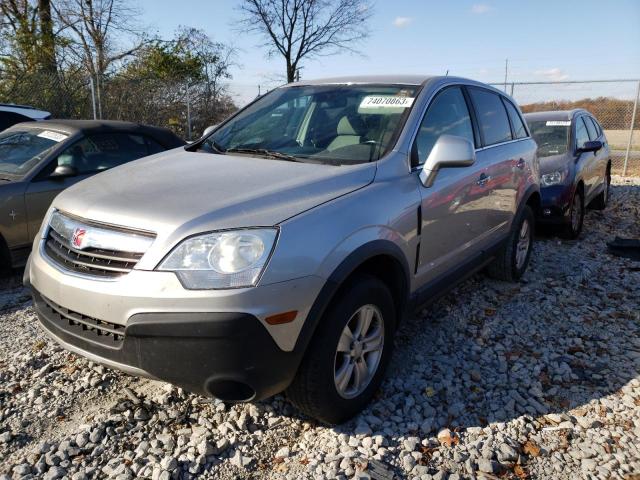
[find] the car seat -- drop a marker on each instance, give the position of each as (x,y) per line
(349,132)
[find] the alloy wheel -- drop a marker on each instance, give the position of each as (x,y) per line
(576,213)
(524,243)
(359,351)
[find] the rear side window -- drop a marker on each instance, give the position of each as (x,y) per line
(153,146)
(582,136)
(447,115)
(591,129)
(492,116)
(103,151)
(519,130)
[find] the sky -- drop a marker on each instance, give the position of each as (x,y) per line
(542,40)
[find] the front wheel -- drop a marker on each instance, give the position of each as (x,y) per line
(573,228)
(345,362)
(513,258)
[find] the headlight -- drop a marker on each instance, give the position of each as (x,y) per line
(554,178)
(230,259)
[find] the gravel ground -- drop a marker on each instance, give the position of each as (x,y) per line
(495,380)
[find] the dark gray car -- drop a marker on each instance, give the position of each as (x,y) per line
(575,166)
(281,251)
(40,159)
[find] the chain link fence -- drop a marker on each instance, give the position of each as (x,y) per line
(187,108)
(613,102)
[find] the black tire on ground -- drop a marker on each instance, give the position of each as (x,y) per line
(572,230)
(513,258)
(314,390)
(600,202)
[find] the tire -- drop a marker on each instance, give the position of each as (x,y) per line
(315,390)
(600,202)
(513,258)
(572,230)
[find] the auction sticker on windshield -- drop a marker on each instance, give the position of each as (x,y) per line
(375,101)
(558,123)
(55,136)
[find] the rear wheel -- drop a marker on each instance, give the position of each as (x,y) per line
(572,229)
(345,362)
(513,258)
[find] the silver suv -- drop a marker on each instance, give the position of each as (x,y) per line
(280,252)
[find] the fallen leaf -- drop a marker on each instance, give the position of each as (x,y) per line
(531,448)
(520,472)
(429,391)
(39,345)
(448,438)
(489,312)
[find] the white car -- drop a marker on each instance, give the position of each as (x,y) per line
(10,114)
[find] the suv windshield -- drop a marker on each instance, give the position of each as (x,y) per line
(20,150)
(551,136)
(333,124)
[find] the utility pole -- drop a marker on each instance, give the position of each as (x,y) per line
(506,71)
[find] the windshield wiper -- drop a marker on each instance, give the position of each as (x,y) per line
(264,152)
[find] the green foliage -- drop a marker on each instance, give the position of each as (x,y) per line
(165,61)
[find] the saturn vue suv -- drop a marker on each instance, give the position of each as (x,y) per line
(280,252)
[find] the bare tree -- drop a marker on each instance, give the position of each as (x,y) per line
(94,25)
(302,29)
(47,37)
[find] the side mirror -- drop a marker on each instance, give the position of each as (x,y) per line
(450,151)
(592,146)
(209,129)
(64,171)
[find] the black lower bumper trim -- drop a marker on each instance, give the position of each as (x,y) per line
(209,353)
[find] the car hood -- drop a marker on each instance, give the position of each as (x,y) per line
(554,163)
(180,193)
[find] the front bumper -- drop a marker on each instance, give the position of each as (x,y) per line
(213,342)
(226,355)
(556,204)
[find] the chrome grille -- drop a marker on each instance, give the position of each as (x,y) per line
(106,333)
(96,259)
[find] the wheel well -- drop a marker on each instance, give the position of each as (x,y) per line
(535,203)
(390,272)
(5,255)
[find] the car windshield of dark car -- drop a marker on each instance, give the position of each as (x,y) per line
(332,124)
(21,150)
(552,136)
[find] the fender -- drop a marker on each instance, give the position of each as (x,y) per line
(525,199)
(349,265)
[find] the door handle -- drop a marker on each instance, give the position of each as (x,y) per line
(482,181)
(520,163)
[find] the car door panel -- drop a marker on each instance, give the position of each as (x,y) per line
(498,198)
(449,209)
(447,213)
(12,215)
